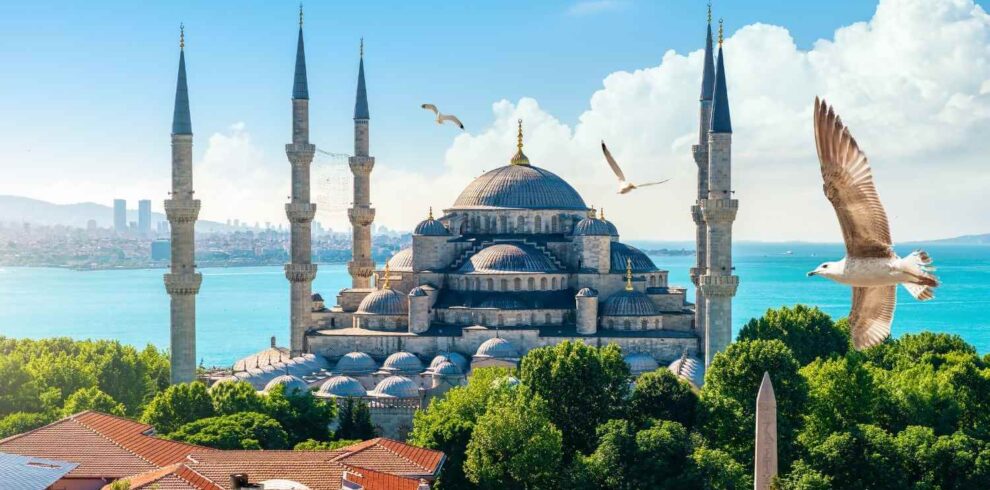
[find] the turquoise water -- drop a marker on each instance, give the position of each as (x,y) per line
(240,308)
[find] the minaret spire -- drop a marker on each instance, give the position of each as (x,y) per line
(300,85)
(361,100)
(361,214)
(181,120)
(721,121)
(708,70)
(700,153)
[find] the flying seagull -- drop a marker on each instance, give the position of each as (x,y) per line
(870,266)
(441,118)
(624,186)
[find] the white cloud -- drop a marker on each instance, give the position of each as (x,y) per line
(911,83)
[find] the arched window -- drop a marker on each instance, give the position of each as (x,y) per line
(656,323)
(532,319)
(642,324)
(553,224)
(543,284)
(626,324)
(333,322)
(521,224)
(501,321)
(653,280)
(611,324)
(398,323)
(505,284)
(517,283)
(554,284)
(503,224)
(537,224)
(563,283)
(547,319)
(531,284)
(491,284)
(518,318)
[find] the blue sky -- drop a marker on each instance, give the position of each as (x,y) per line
(88,86)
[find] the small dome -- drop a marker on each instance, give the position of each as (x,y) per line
(507,381)
(417,292)
(454,357)
(591,227)
(587,293)
(431,227)
(503,302)
(316,297)
(612,230)
(293,385)
(401,261)
(641,363)
(520,187)
(396,387)
(438,360)
(507,258)
(356,363)
(690,369)
(497,348)
(341,386)
(630,303)
(403,362)
(384,302)
(620,253)
(446,368)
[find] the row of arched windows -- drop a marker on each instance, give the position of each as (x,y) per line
(553,283)
(477,318)
(521,224)
(629,324)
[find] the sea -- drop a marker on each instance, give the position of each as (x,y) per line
(240,308)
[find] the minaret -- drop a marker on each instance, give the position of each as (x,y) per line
(182,281)
(718,284)
(700,152)
(361,214)
(301,270)
(765,458)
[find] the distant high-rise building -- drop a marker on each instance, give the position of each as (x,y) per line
(119,215)
(144,217)
(91,224)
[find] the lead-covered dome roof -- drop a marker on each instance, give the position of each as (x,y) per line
(396,387)
(430,227)
(384,302)
(504,258)
(497,348)
(621,253)
(402,261)
(690,369)
(341,386)
(641,363)
(519,186)
(592,227)
(403,362)
(356,363)
(630,303)
(293,385)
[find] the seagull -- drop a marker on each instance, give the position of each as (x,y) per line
(624,186)
(441,118)
(870,266)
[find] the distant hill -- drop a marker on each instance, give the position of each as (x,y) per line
(983,239)
(26,210)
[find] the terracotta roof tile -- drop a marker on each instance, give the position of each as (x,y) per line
(172,477)
(374,480)
(391,456)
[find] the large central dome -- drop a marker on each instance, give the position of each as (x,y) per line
(519,186)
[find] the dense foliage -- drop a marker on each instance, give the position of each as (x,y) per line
(911,413)
(43,380)
(354,420)
(246,430)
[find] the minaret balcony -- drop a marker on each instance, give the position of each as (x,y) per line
(361,268)
(361,216)
(697,214)
(300,272)
(361,165)
(300,153)
(181,211)
(700,153)
(300,212)
(719,210)
(716,285)
(183,283)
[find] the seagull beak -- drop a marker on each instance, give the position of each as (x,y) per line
(812,273)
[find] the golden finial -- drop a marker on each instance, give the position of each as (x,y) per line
(182,36)
(520,157)
(300,15)
(709,12)
(361,49)
(387,278)
(629,286)
(431,213)
(601,214)
(591,213)
(720,33)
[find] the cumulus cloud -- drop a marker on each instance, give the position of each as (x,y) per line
(913,83)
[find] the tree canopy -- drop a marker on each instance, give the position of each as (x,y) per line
(246,430)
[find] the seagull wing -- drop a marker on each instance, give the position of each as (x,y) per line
(849,186)
(871,315)
(652,183)
(611,163)
(431,107)
(452,118)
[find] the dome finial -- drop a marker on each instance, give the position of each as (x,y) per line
(431,213)
(629,286)
(520,157)
(387,276)
(182,36)
(361,49)
(591,212)
(601,214)
(721,33)
(300,15)
(709,13)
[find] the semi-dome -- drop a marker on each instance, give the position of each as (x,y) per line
(587,293)
(622,254)
(396,387)
(402,261)
(292,384)
(520,187)
(431,227)
(641,363)
(630,303)
(356,363)
(508,258)
(384,302)
(497,348)
(592,227)
(403,362)
(341,386)
(689,369)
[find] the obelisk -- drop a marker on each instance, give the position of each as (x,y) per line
(765,462)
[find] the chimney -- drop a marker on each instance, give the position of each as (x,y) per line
(273,341)
(423,485)
(238,481)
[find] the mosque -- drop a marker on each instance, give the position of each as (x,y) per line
(516,262)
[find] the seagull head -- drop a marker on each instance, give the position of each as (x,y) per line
(828,269)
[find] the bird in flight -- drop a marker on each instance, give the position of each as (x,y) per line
(624,186)
(870,266)
(442,118)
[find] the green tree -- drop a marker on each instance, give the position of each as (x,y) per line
(654,458)
(802,477)
(234,397)
(180,404)
(311,445)
(447,423)
(121,374)
(587,386)
(728,400)
(19,422)
(842,393)
(302,415)
(18,390)
(354,420)
(92,399)
(661,394)
(713,469)
(515,445)
(808,332)
(952,461)
(864,457)
(157,368)
(247,430)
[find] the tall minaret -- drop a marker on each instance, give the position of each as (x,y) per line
(700,152)
(361,213)
(182,281)
(718,284)
(301,270)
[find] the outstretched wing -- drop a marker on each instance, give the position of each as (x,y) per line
(451,118)
(871,315)
(431,107)
(849,186)
(611,163)
(652,183)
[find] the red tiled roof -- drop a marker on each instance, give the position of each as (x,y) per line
(391,456)
(373,480)
(177,476)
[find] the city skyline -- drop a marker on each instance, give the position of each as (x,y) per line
(639,108)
